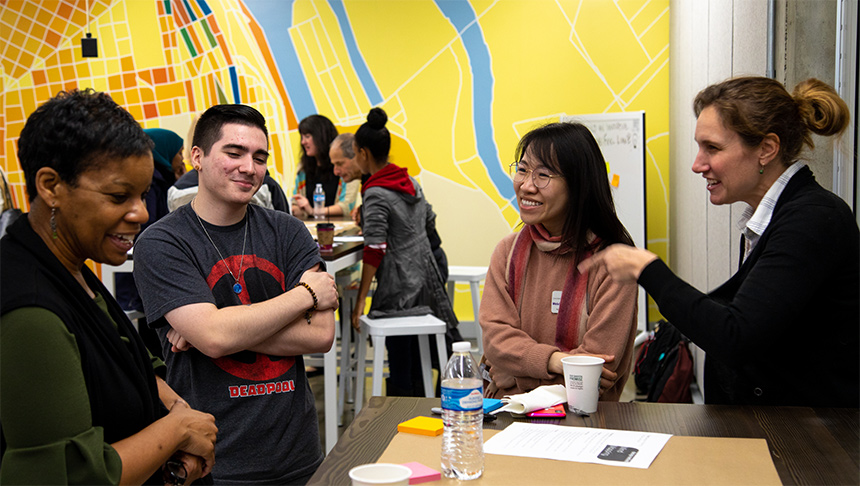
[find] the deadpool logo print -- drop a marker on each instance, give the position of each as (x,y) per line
(249,365)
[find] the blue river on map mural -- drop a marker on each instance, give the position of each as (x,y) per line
(275,17)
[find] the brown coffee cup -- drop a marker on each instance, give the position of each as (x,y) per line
(325,236)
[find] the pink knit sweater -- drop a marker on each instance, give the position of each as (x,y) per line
(518,342)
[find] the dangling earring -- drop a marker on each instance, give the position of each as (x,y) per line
(761,171)
(54,223)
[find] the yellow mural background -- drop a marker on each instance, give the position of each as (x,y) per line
(166,61)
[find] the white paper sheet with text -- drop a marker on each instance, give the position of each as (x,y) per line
(578,444)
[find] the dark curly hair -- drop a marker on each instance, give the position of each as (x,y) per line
(77,131)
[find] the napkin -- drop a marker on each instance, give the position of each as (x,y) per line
(541,397)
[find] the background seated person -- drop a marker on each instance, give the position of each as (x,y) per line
(317,133)
(270,195)
(537,307)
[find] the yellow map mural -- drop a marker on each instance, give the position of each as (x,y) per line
(461,81)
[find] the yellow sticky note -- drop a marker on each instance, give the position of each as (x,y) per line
(615,180)
(422,426)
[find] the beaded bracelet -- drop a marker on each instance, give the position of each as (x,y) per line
(314,295)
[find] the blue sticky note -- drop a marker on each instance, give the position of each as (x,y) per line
(491,404)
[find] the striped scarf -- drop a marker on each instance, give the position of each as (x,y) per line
(573,293)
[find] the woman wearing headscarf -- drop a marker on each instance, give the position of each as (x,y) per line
(168,167)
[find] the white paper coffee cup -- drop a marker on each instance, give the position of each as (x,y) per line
(381,473)
(582,381)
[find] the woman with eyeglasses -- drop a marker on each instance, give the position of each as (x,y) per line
(537,307)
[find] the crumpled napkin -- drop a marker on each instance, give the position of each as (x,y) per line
(541,397)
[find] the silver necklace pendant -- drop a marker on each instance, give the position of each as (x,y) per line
(237,287)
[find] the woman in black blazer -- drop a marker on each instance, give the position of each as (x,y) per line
(785,329)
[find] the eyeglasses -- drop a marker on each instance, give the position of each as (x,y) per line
(174,473)
(540,177)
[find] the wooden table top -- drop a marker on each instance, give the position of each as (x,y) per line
(808,446)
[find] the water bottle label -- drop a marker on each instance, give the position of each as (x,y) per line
(319,198)
(462,400)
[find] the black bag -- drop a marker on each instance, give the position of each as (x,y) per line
(664,368)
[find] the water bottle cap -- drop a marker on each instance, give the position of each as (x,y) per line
(462,346)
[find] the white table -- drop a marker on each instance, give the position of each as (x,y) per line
(337,260)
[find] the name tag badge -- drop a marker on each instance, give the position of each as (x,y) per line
(556,300)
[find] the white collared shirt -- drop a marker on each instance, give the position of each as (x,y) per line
(753,223)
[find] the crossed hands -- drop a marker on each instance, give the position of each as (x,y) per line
(321,282)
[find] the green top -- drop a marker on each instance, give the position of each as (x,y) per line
(44,406)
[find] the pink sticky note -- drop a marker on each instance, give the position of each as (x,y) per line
(422,473)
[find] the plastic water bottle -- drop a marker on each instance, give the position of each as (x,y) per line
(463,416)
(319,202)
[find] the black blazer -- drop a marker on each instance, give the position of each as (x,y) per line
(785,329)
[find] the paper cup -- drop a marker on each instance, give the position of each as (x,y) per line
(382,473)
(325,236)
(582,381)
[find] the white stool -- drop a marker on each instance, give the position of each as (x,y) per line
(473,275)
(399,326)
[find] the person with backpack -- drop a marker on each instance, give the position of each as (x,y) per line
(784,329)
(537,307)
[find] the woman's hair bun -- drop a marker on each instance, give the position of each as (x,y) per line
(377,118)
(821,108)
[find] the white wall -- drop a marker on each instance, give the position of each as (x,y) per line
(710,40)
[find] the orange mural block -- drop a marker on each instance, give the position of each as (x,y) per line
(39,78)
(132,96)
(147,95)
(129,80)
(65,11)
(114,83)
(160,75)
(165,108)
(44,17)
(127,63)
(42,93)
(38,32)
(189,89)
(68,71)
(150,110)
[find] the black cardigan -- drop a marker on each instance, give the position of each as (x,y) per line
(785,329)
(120,380)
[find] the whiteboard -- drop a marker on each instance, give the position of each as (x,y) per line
(621,137)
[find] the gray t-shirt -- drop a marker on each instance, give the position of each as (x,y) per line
(263,405)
